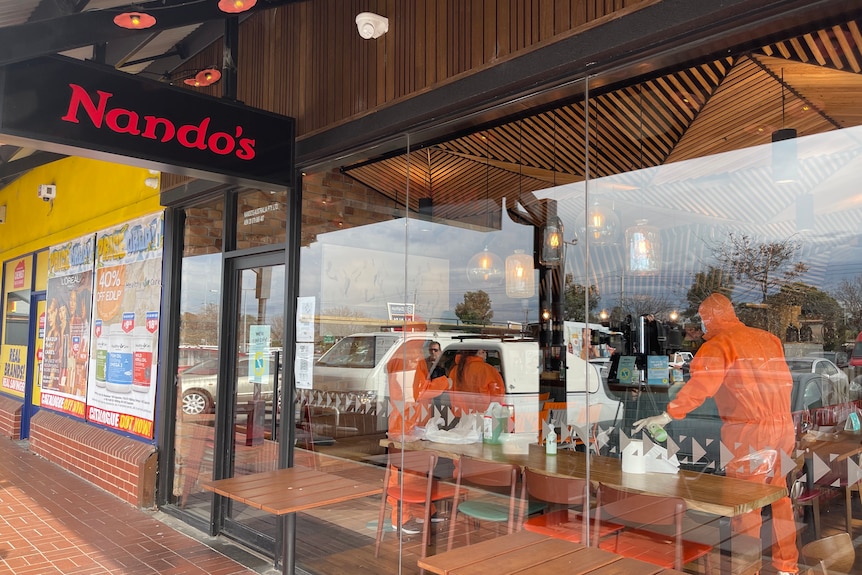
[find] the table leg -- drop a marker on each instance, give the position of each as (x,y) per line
(288,544)
(725,546)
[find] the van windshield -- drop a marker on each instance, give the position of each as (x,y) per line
(358,351)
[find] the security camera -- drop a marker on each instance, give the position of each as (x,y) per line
(371,25)
(47,192)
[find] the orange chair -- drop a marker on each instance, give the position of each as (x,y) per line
(498,500)
(416,485)
(564,523)
(643,513)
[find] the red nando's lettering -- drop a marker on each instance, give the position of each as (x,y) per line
(124,121)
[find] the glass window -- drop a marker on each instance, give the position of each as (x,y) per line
(198,367)
(261,218)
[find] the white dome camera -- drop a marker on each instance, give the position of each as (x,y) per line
(371,25)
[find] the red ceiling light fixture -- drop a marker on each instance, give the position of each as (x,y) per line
(134,20)
(236,6)
(206,77)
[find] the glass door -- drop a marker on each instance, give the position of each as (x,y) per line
(254,376)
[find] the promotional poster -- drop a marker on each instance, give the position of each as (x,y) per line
(125,329)
(66,345)
(18,277)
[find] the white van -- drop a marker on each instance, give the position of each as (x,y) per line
(520,364)
(350,385)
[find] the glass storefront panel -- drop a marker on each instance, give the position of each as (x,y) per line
(199,360)
(260,218)
(578,253)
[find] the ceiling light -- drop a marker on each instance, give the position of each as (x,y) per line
(784,158)
(485,267)
(602,224)
(205,77)
(644,245)
(134,20)
(236,6)
(520,279)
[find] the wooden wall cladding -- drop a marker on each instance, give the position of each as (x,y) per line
(308,61)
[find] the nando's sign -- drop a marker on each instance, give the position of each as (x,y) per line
(88,110)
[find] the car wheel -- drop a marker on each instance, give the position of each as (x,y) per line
(196,402)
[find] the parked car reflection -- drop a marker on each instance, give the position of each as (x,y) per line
(199,385)
(698,435)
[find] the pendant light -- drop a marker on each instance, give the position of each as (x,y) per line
(644,246)
(784,161)
(553,242)
(134,20)
(520,280)
(486,267)
(206,77)
(236,6)
(602,222)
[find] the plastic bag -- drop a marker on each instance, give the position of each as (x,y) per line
(467,430)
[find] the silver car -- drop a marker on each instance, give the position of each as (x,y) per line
(199,385)
(836,385)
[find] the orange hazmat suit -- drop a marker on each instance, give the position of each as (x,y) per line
(743,368)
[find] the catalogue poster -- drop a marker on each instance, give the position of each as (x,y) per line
(66,346)
(125,330)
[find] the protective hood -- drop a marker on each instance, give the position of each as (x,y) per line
(717,314)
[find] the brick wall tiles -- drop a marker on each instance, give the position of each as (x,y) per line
(113,462)
(10,417)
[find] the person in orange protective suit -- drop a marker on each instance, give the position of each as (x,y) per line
(475,383)
(405,416)
(743,368)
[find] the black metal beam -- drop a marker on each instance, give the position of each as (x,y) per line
(12,170)
(50,36)
(658,36)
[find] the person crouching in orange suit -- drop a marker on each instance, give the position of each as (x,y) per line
(475,383)
(743,368)
(405,416)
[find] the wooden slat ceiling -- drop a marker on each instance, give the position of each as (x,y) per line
(724,105)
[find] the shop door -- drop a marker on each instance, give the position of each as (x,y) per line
(257,313)
(33,387)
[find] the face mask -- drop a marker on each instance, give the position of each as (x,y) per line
(702,327)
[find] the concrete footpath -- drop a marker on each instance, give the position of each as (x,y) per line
(55,523)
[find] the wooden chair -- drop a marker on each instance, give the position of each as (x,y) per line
(802,496)
(832,555)
(498,500)
(643,539)
(564,522)
(415,485)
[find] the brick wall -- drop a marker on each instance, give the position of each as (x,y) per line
(120,465)
(10,417)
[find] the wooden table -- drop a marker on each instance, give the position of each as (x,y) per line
(528,553)
(283,492)
(724,497)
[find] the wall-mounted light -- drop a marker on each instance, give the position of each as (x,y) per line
(236,6)
(134,20)
(644,245)
(552,243)
(485,267)
(520,277)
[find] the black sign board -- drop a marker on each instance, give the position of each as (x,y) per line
(89,110)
